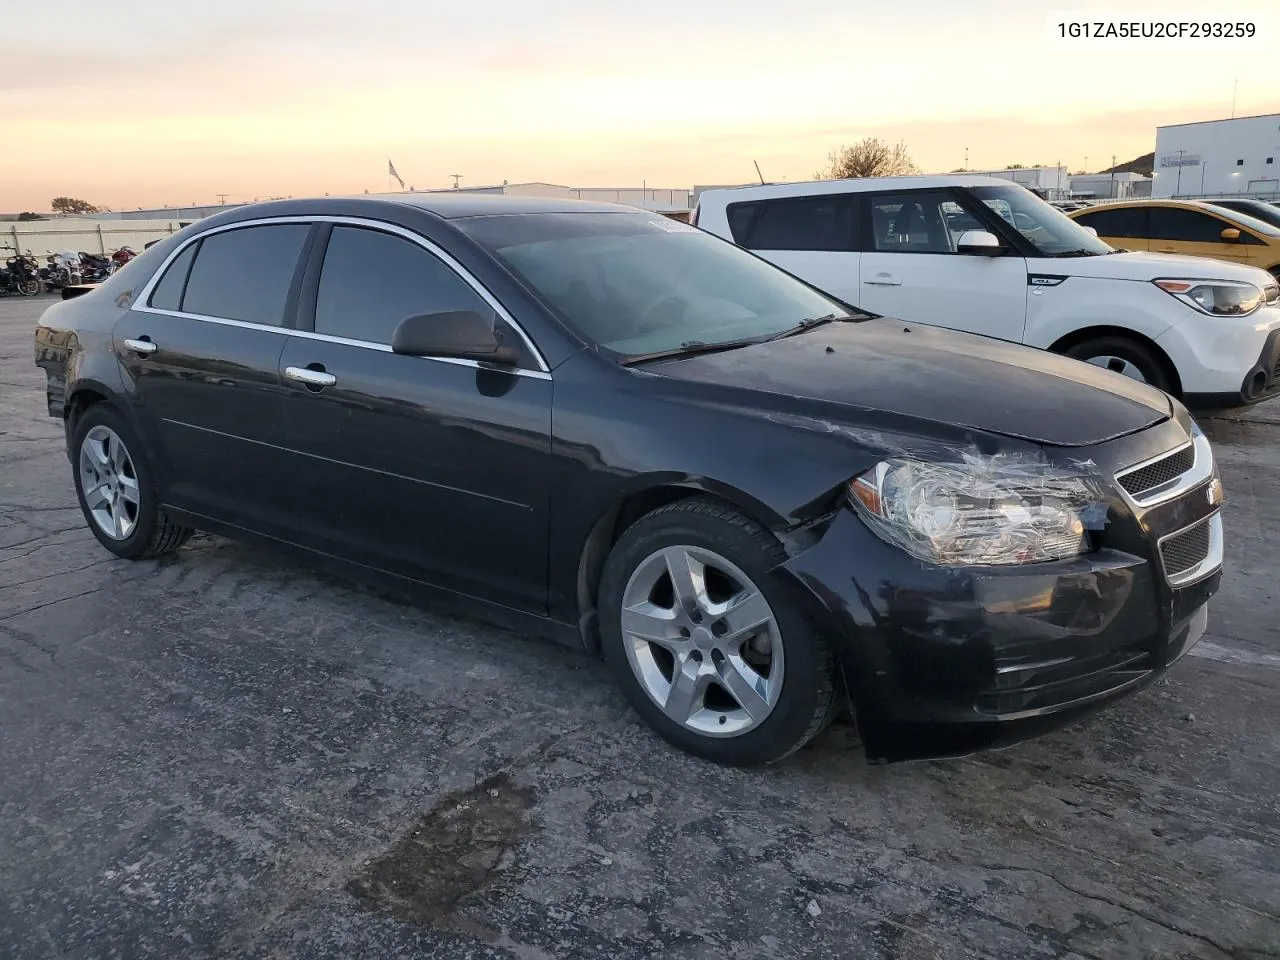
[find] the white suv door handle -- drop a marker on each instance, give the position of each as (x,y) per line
(144,347)
(883,280)
(312,378)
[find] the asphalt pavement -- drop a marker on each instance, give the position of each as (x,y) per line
(226,753)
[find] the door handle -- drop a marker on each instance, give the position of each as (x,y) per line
(312,378)
(144,346)
(883,280)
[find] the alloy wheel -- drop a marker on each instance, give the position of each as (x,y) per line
(109,483)
(703,641)
(1119,365)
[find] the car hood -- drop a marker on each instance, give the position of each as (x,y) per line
(1148,266)
(937,375)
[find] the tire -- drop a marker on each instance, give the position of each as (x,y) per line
(799,674)
(28,288)
(1128,356)
(147,530)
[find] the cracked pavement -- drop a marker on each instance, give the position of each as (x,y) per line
(226,753)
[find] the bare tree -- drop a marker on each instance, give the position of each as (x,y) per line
(869,157)
(72,205)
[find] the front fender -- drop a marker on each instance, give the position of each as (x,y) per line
(1079,303)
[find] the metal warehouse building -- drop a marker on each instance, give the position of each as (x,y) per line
(1238,158)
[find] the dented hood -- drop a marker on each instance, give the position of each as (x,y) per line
(934,374)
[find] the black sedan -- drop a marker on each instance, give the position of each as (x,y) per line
(610,427)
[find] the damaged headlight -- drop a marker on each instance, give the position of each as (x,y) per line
(982,510)
(1219,298)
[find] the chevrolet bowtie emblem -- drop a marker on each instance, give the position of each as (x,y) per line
(1214,492)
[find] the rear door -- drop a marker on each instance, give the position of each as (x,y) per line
(910,267)
(200,354)
(811,237)
(433,469)
(1125,228)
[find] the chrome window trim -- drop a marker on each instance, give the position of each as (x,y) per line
(362,344)
(1212,560)
(141,304)
(1201,470)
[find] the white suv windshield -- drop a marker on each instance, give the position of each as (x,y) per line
(639,283)
(1046,228)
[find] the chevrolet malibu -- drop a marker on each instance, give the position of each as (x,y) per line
(594,423)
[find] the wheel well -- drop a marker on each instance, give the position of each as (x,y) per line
(606,532)
(81,401)
(1092,333)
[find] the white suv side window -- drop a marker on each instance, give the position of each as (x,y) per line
(910,223)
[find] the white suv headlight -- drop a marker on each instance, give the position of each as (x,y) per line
(1219,298)
(984,510)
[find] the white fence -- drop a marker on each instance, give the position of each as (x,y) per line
(42,237)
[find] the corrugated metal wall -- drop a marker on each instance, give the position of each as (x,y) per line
(41,237)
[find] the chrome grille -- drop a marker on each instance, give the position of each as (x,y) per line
(1159,472)
(1182,551)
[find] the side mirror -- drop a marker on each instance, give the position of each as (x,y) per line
(979,243)
(455,333)
(1230,233)
(1089,230)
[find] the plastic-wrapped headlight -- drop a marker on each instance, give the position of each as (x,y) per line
(1219,298)
(979,511)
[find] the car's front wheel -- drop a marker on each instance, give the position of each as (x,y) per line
(710,651)
(116,491)
(1125,356)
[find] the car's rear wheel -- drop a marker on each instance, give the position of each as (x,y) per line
(116,490)
(1125,356)
(709,650)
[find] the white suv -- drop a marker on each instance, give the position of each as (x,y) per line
(987,256)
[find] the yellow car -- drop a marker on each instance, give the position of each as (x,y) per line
(1193,228)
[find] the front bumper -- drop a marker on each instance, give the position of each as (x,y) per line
(1226,362)
(945,661)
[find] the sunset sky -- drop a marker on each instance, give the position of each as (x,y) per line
(146,103)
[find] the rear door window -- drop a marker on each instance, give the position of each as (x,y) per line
(245,274)
(1130,222)
(802,223)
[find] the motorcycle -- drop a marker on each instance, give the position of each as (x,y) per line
(64,269)
(94,268)
(21,275)
(120,258)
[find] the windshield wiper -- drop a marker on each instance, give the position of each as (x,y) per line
(808,323)
(690,348)
(1074,253)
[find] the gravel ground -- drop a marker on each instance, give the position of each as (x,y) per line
(226,753)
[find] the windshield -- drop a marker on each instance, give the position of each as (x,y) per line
(1051,232)
(643,283)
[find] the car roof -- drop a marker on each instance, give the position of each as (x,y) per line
(808,188)
(445,205)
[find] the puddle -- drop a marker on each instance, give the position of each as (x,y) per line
(452,851)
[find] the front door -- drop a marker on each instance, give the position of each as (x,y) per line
(910,269)
(432,469)
(200,353)
(1194,233)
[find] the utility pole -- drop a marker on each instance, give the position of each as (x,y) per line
(966,159)
(457,178)
(222,199)
(1177,190)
